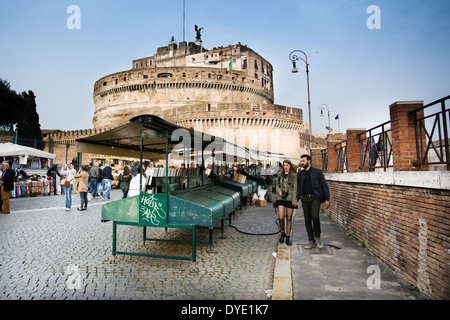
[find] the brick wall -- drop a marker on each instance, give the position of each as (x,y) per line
(403,135)
(406,227)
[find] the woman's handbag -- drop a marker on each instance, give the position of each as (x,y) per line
(67,183)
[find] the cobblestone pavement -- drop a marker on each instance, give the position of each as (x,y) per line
(48,253)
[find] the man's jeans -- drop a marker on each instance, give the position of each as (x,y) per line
(107,183)
(68,195)
(93,186)
(311,210)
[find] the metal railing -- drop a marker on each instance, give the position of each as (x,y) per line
(375,147)
(432,137)
(341,156)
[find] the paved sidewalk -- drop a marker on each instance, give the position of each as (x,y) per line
(342,270)
(48,253)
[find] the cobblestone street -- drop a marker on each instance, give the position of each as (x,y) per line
(48,253)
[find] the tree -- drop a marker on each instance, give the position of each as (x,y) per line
(9,100)
(20,110)
(28,127)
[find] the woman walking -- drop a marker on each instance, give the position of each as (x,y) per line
(70,178)
(286,196)
(83,186)
(124,181)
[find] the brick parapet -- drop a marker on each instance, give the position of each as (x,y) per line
(409,231)
(353,149)
(403,132)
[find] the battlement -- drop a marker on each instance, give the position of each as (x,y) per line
(225,88)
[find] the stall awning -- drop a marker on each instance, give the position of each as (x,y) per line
(125,141)
(16,150)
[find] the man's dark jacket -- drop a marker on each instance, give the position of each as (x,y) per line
(107,173)
(8,180)
(319,185)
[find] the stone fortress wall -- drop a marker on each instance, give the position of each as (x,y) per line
(193,87)
(188,75)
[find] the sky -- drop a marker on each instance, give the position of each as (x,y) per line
(360,61)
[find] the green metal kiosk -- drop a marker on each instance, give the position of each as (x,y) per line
(151,137)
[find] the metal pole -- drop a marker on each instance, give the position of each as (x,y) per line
(322,107)
(114,238)
(194,253)
(140,165)
(184,19)
(446,144)
(329,124)
(309,108)
(167,163)
(293,57)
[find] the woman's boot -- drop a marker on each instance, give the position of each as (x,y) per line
(283,235)
(288,241)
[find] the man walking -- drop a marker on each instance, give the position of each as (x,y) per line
(7,185)
(53,172)
(94,173)
(312,190)
(107,181)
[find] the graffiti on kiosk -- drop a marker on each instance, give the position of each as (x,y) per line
(152,210)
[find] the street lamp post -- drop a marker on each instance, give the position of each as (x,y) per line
(322,107)
(294,57)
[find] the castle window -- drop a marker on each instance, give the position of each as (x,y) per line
(137,65)
(145,76)
(165,75)
(105,83)
(196,75)
(256,65)
(150,63)
(117,81)
(184,74)
(244,65)
(124,78)
(208,107)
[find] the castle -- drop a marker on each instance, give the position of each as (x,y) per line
(226,91)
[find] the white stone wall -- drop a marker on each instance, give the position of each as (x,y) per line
(419,179)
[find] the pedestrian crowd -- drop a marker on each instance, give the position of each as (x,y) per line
(294,184)
(93,181)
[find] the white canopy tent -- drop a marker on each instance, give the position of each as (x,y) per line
(15,150)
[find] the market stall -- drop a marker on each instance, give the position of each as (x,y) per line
(26,185)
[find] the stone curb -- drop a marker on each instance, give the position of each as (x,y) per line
(282,280)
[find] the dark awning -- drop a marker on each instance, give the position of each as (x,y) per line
(125,141)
